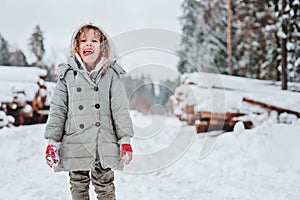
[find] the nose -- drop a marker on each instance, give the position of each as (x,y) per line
(88,43)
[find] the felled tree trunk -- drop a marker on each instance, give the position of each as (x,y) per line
(271,107)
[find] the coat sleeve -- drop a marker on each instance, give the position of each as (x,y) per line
(58,109)
(120,110)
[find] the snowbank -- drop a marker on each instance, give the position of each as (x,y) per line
(261,163)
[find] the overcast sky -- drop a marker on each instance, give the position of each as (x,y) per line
(59,18)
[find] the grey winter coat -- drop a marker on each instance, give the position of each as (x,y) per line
(90,118)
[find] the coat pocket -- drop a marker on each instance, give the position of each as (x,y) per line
(108,136)
(68,128)
(110,150)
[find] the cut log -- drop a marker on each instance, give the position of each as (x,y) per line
(271,107)
(227,115)
(207,121)
(202,127)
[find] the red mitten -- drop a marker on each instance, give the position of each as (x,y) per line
(52,158)
(126,153)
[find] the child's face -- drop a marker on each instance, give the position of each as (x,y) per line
(89,47)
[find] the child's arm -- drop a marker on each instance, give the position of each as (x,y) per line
(58,109)
(120,111)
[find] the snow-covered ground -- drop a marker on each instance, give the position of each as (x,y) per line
(261,163)
(172,162)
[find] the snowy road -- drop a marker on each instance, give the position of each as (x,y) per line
(262,163)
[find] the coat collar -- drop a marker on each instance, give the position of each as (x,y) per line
(102,65)
(100,69)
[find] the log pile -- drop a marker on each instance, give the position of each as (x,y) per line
(200,101)
(24,96)
(205,121)
(185,103)
(208,121)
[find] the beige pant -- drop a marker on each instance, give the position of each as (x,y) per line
(102,180)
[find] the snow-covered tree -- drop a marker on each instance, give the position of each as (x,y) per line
(211,34)
(253,43)
(4,52)
(188,44)
(265,44)
(293,40)
(17,58)
(203,43)
(36,44)
(288,39)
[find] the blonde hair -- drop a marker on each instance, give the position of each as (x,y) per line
(105,49)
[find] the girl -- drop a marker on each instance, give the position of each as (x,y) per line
(89,126)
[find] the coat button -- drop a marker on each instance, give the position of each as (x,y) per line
(97,106)
(79,89)
(81,126)
(80,107)
(96,89)
(98,124)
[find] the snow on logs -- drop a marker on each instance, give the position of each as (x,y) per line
(24,98)
(218,102)
(194,103)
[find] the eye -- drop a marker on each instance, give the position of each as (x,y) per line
(82,40)
(95,41)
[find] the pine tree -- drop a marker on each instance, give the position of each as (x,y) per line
(4,52)
(253,39)
(266,38)
(288,39)
(293,41)
(203,44)
(211,34)
(188,44)
(37,45)
(17,58)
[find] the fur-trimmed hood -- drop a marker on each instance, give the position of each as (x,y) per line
(104,62)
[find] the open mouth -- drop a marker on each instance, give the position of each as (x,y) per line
(87,52)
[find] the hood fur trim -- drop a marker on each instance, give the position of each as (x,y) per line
(105,63)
